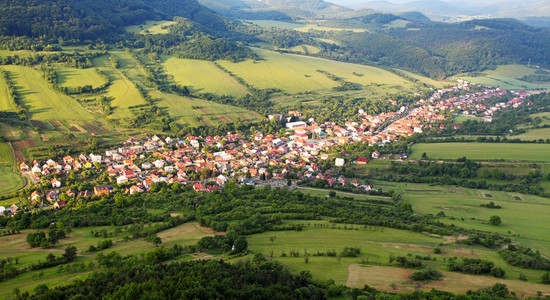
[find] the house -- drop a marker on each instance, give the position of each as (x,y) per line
(14,208)
(135,189)
(102,190)
(362,160)
(36,169)
(52,196)
(121,180)
(339,162)
(35,196)
(56,183)
(221,180)
(293,125)
(199,187)
(375,155)
(59,204)
(70,193)
(84,194)
(23,167)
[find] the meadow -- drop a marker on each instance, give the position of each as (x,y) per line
(11,181)
(150,27)
(484,151)
(523,215)
(6,104)
(41,100)
(202,77)
(372,264)
(506,77)
(300,26)
(296,73)
(73,77)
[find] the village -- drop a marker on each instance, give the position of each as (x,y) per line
(208,163)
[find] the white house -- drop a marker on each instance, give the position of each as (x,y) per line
(339,162)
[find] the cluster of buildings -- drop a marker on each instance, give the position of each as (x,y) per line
(208,163)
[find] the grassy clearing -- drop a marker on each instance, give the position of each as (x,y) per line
(461,119)
(202,77)
(150,27)
(185,234)
(73,77)
(506,76)
(42,102)
(526,217)
(296,73)
(533,134)
(394,279)
(484,151)
(11,181)
(6,104)
(122,91)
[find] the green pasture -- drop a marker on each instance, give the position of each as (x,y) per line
(11,181)
(73,77)
(41,100)
(484,151)
(150,27)
(300,26)
(506,76)
(296,73)
(526,216)
(533,134)
(202,77)
(6,104)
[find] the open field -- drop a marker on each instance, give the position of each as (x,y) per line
(526,216)
(150,27)
(185,234)
(506,76)
(202,77)
(122,91)
(73,77)
(297,73)
(42,102)
(5,103)
(533,134)
(484,151)
(392,279)
(376,246)
(300,26)
(11,181)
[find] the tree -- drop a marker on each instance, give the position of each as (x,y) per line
(70,253)
(240,245)
(272,238)
(495,220)
(545,278)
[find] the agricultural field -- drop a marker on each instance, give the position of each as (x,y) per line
(484,151)
(506,77)
(296,73)
(11,181)
(150,27)
(523,215)
(41,100)
(16,246)
(376,246)
(73,77)
(202,77)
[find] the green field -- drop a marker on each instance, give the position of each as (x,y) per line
(506,76)
(41,100)
(5,103)
(73,77)
(122,91)
(484,151)
(533,134)
(300,26)
(11,181)
(202,77)
(150,27)
(297,73)
(461,119)
(377,245)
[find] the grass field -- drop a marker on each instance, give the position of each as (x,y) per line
(533,134)
(150,27)
(506,76)
(297,73)
(5,103)
(300,26)
(11,181)
(122,91)
(73,77)
(42,102)
(202,77)
(526,217)
(484,151)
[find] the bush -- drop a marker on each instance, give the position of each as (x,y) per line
(498,272)
(437,250)
(425,275)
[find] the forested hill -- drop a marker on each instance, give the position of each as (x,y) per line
(92,19)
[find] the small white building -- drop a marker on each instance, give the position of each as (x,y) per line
(293,125)
(339,162)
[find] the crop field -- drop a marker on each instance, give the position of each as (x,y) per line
(202,77)
(73,77)
(376,246)
(296,73)
(122,91)
(11,181)
(521,214)
(484,151)
(42,102)
(506,76)
(150,27)
(5,103)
